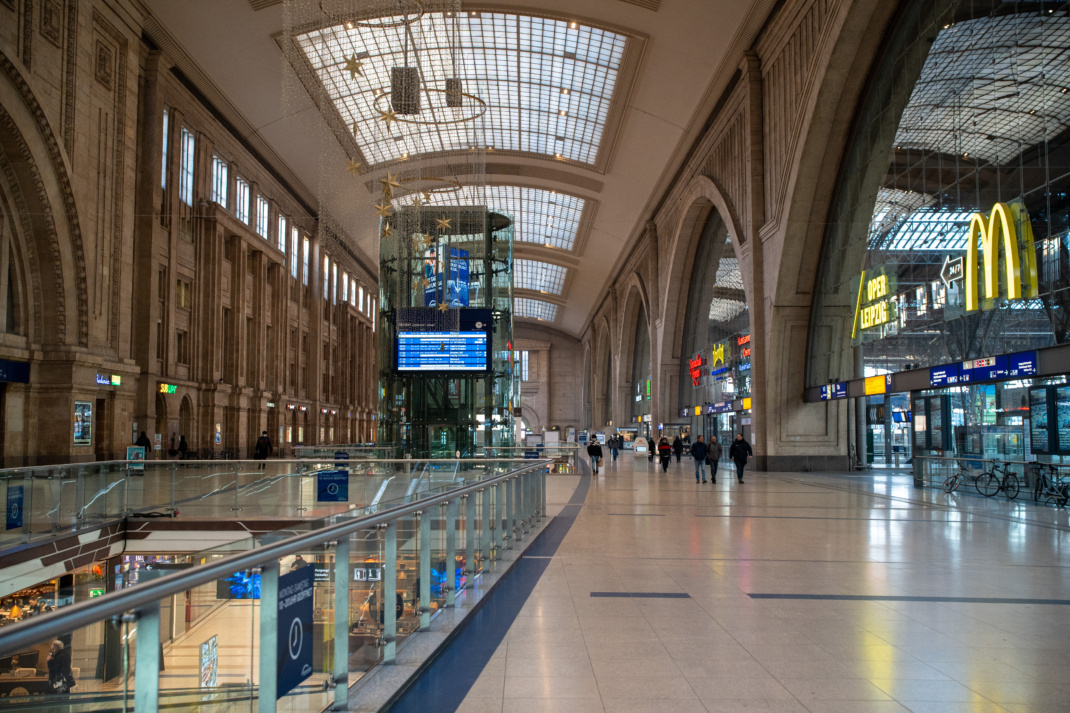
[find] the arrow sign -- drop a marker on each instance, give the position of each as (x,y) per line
(952,271)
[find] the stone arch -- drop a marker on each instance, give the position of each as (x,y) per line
(636,298)
(19,275)
(534,419)
(602,370)
(587,406)
(187,424)
(701,197)
(36,170)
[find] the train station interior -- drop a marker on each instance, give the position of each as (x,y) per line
(582,357)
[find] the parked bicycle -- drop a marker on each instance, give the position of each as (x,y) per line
(966,472)
(1049,486)
(996,479)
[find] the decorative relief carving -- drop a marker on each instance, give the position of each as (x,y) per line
(70,75)
(52,21)
(104,63)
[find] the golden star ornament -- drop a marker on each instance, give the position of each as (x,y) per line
(388,230)
(428,239)
(353,166)
(425,282)
(389,184)
(354,67)
(444,223)
(388,117)
(442,307)
(383,210)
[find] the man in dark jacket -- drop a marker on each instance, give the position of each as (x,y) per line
(698,452)
(664,453)
(263,449)
(594,450)
(144,442)
(677,448)
(740,453)
(713,455)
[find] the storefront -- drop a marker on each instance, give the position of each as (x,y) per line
(945,270)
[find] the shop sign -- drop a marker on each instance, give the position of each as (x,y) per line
(745,366)
(695,368)
(718,354)
(168,388)
(1011,221)
(952,271)
(745,339)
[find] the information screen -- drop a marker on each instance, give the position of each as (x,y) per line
(1062,418)
(442,351)
(1038,419)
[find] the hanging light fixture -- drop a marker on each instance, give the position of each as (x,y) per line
(454,89)
(405,81)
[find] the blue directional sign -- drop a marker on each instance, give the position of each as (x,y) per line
(332,486)
(830,392)
(1022,364)
(14,507)
(295,629)
(947,375)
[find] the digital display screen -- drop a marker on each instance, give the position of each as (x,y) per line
(442,351)
(1062,418)
(427,342)
(946,375)
(834,391)
(240,585)
(936,424)
(1038,419)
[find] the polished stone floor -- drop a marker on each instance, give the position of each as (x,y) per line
(792,592)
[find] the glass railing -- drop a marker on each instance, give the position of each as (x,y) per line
(332,596)
(565,454)
(44,502)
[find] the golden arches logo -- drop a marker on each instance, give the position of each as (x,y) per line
(718,355)
(1011,221)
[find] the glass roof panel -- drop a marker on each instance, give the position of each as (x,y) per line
(961,102)
(540,78)
(539,216)
(534,309)
(538,276)
(724,310)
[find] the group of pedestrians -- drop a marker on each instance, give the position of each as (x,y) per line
(740,453)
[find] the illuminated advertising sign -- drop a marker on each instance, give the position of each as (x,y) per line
(168,388)
(875,305)
(695,368)
(718,354)
(1011,222)
(745,339)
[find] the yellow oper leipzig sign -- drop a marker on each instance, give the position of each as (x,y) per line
(1011,221)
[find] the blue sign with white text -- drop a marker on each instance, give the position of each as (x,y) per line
(295,629)
(332,486)
(14,507)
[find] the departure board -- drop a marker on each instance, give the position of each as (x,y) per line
(442,351)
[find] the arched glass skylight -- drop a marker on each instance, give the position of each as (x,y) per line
(547,83)
(539,216)
(534,309)
(538,276)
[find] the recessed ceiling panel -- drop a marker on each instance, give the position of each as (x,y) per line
(534,309)
(538,276)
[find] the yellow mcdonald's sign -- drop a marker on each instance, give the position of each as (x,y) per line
(1011,220)
(718,355)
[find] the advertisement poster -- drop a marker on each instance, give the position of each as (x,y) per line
(1038,419)
(14,507)
(83,423)
(295,633)
(936,424)
(210,662)
(332,486)
(457,284)
(136,453)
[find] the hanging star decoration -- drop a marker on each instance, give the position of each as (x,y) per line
(388,230)
(389,184)
(425,282)
(353,166)
(426,197)
(442,307)
(387,117)
(415,283)
(417,244)
(383,210)
(354,67)
(429,240)
(416,199)
(444,223)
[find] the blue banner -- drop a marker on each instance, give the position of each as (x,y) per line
(295,629)
(332,486)
(14,507)
(341,460)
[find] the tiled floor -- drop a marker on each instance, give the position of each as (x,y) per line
(719,649)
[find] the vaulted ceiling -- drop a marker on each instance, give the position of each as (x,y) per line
(587,109)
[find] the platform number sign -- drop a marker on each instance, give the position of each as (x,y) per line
(295,629)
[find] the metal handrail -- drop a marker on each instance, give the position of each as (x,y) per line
(983,459)
(16,637)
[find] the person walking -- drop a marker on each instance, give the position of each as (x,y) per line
(677,448)
(263,449)
(144,442)
(664,453)
(182,447)
(60,676)
(594,450)
(614,446)
(713,455)
(698,452)
(740,453)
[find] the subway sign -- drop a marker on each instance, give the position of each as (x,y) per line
(1011,222)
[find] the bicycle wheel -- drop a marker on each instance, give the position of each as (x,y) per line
(987,484)
(1063,497)
(1010,486)
(951,483)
